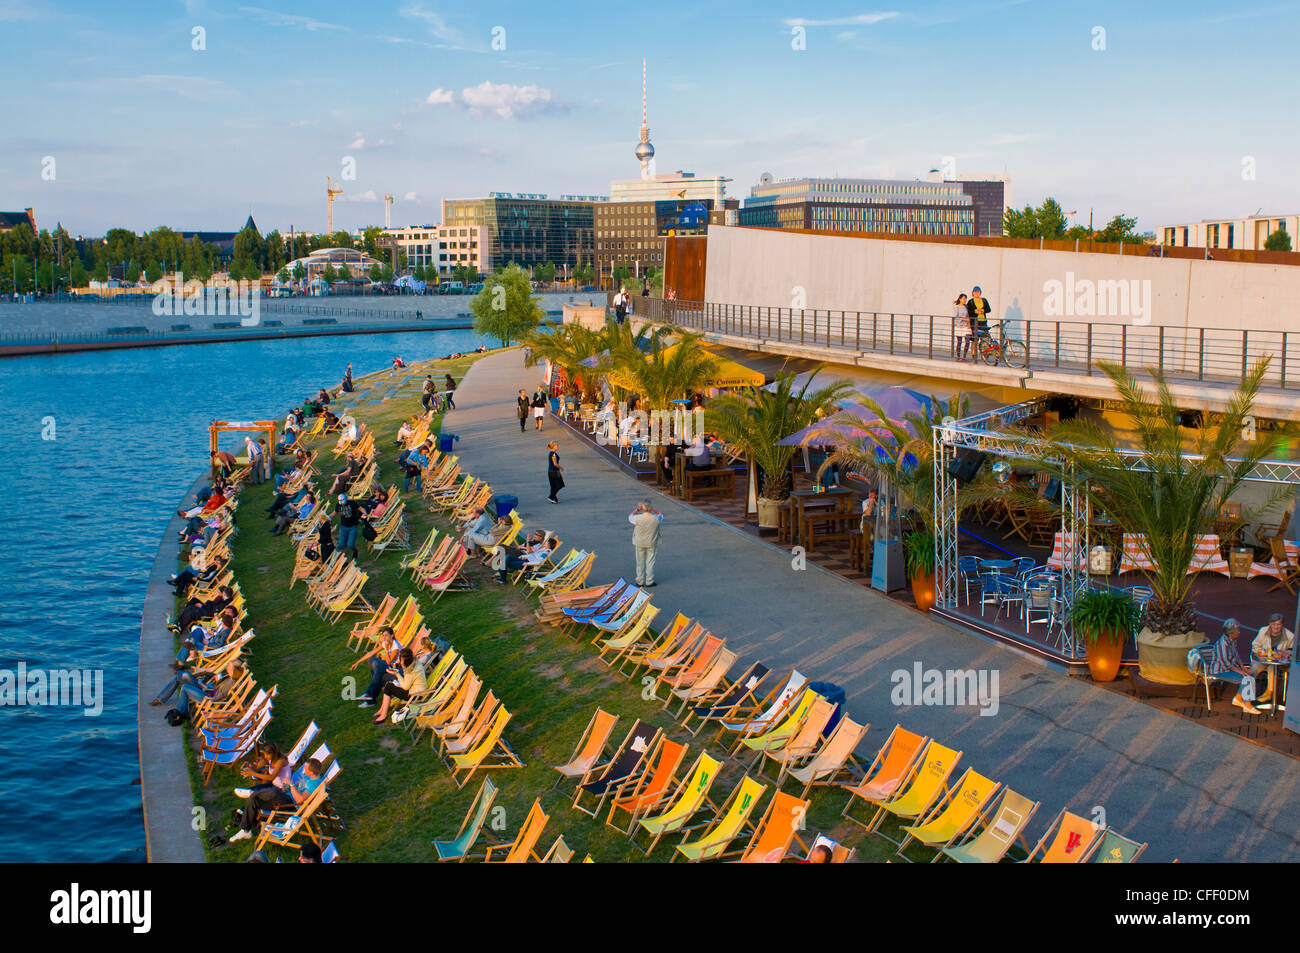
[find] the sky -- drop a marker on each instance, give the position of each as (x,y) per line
(194,114)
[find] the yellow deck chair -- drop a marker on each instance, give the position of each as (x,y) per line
(1067,840)
(653,642)
(591,748)
(1000,827)
(524,845)
(408,562)
(368,629)
(890,769)
(777,737)
(952,816)
(779,827)
(492,752)
(726,826)
(632,631)
(689,795)
(927,783)
(833,763)
(806,739)
(457,739)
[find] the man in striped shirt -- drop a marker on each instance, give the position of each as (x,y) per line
(1226,661)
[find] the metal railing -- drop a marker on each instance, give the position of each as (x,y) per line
(1069,346)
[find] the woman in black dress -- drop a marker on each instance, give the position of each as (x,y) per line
(553,470)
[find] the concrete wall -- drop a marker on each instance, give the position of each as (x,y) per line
(768,267)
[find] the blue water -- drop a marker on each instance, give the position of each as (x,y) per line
(81,517)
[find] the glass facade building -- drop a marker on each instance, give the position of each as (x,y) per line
(529,229)
(861,205)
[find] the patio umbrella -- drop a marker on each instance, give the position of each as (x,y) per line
(894,401)
(835,429)
(595,359)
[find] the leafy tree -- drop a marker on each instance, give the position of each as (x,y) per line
(340,239)
(275,251)
(386,274)
(45,276)
(469,275)
(299,271)
(282,276)
(376,273)
(544,273)
(249,247)
(1120,229)
(329,274)
(622,275)
(101,270)
(584,274)
(1047,221)
(345,273)
(153,272)
(506,308)
(1278,241)
(370,240)
(566,346)
(235,270)
(80,277)
(132,273)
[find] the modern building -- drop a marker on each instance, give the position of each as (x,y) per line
(990,197)
(900,207)
(444,247)
(356,260)
(671,186)
(10,220)
(1247,233)
(529,229)
(632,233)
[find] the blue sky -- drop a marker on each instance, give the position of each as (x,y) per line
(145,130)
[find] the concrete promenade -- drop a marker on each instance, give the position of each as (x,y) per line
(1192,793)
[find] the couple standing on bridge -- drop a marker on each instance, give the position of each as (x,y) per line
(971,315)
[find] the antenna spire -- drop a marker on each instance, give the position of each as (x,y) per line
(644,150)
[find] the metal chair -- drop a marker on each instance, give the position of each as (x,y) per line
(1010,591)
(1025,565)
(969,568)
(990,590)
(1200,667)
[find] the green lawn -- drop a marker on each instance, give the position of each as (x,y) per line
(396,797)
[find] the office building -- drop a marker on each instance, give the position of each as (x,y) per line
(908,207)
(1249,232)
(529,229)
(632,233)
(444,247)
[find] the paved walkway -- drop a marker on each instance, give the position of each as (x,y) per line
(1193,793)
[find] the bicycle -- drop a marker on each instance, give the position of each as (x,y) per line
(1001,349)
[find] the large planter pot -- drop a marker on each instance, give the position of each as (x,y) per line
(1104,656)
(769,513)
(923,591)
(1163,658)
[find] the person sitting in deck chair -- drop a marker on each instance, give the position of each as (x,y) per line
(409,682)
(191,574)
(191,688)
(478,531)
(201,638)
(215,500)
(509,559)
(294,512)
(269,799)
(196,611)
(269,769)
(382,659)
(344,478)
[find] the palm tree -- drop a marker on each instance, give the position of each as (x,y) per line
(566,346)
(756,419)
(1167,495)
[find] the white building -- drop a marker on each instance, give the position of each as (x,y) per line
(1247,233)
(444,246)
(669,187)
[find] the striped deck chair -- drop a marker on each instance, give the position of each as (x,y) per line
(726,825)
(627,763)
(687,797)
(766,713)
(615,620)
(466,511)
(612,599)
(438,561)
(590,750)
(524,845)
(471,829)
(491,753)
(228,746)
(727,699)
(289,827)
(393,533)
(1068,840)
(639,795)
(893,765)
(550,608)
(779,828)
(999,828)
(568,576)
(833,763)
(547,564)
(672,659)
(927,783)
(950,817)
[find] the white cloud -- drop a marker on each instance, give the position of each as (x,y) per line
(506,100)
(410,197)
(358,143)
(367,196)
(440,97)
(435,22)
(860,19)
(275,18)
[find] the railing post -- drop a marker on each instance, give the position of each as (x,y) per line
(1160,358)
(1245,358)
(930,348)
(857,331)
(1029,351)
(1058,343)
(1200,358)
(1283,367)
(875,316)
(1088,370)
(911,320)
(891,333)
(802,314)
(1123,345)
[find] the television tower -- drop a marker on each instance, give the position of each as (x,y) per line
(644,150)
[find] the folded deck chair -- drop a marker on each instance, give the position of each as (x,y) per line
(728,824)
(459,847)
(1000,827)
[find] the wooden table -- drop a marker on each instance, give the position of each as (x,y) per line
(809,508)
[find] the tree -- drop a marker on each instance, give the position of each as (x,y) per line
(153,272)
(1047,221)
(1278,241)
(299,271)
(132,273)
(506,308)
(544,273)
(386,274)
(345,273)
(80,277)
(101,270)
(45,276)
(621,275)
(469,275)
(370,240)
(329,274)
(566,346)
(340,239)
(275,251)
(1120,229)
(376,273)
(249,247)
(756,419)
(235,271)
(282,276)
(583,274)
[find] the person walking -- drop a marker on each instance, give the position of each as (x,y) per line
(620,305)
(429,390)
(265,458)
(554,472)
(256,470)
(645,520)
(961,326)
(539,406)
(347,380)
(522,404)
(449,384)
(350,514)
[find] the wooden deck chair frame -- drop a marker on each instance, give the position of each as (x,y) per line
(480,809)
(901,767)
(728,697)
(766,712)
(1046,843)
(688,797)
(524,846)
(1095,852)
(560,852)
(651,785)
(718,839)
(785,810)
(648,736)
(1006,831)
(939,808)
(589,752)
(834,763)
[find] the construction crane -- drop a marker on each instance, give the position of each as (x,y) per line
(388,205)
(330,192)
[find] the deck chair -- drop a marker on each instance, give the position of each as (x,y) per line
(590,748)
(448,705)
(641,794)
(779,735)
(653,643)
(893,764)
(287,827)
(524,846)
(839,853)
(925,784)
(766,713)
(560,852)
(690,666)
(779,827)
(1288,573)
(633,631)
(689,686)
(459,738)
(450,579)
(832,764)
(686,797)
(627,762)
(368,630)
(564,578)
(729,697)
(552,605)
(725,826)
(616,620)
(1114,848)
(459,847)
(1068,840)
(807,738)
(604,599)
(1000,827)
(492,752)
(945,823)
(408,562)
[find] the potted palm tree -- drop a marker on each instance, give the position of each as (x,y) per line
(919,564)
(1104,619)
(1169,500)
(756,419)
